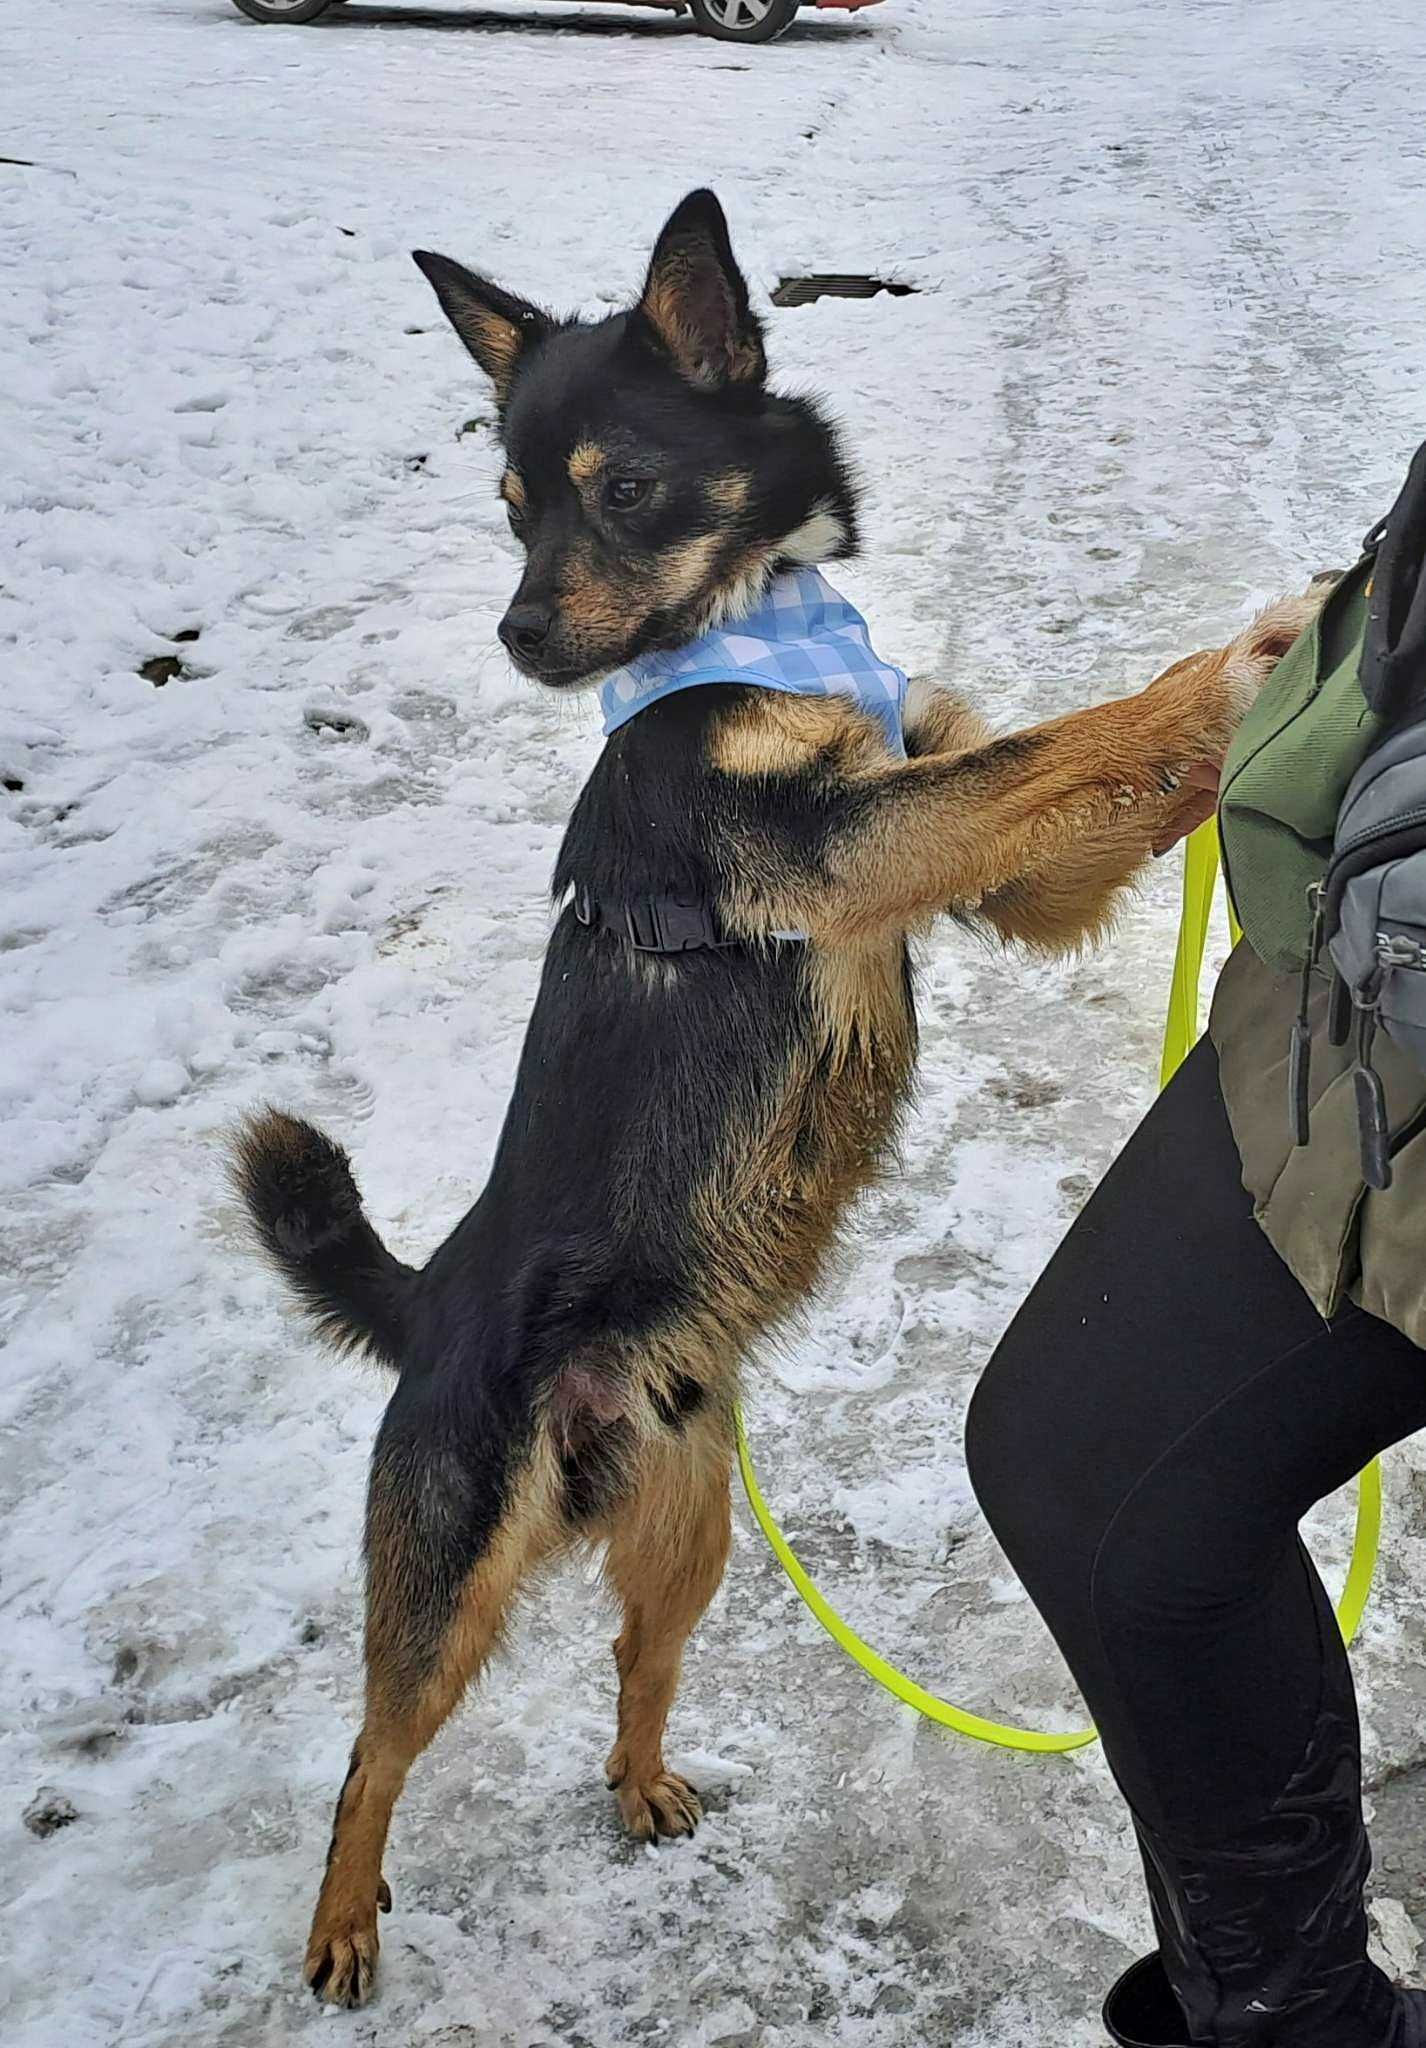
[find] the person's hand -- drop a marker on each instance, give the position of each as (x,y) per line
(1197,799)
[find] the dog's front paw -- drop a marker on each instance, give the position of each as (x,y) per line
(341,1955)
(1206,696)
(1251,658)
(662,1804)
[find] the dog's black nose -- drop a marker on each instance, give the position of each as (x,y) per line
(525,628)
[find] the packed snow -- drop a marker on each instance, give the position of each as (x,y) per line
(277,822)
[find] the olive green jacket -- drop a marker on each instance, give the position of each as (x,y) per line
(1343,1240)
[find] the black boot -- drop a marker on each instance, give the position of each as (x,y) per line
(1263,1937)
(1142,2012)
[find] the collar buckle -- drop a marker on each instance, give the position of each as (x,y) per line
(651,924)
(670,924)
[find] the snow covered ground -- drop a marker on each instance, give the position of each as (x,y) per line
(1165,357)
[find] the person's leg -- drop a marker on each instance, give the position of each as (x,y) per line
(1159,1417)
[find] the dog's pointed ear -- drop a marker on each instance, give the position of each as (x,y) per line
(497,328)
(696,299)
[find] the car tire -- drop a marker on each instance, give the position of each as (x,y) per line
(282,10)
(743,21)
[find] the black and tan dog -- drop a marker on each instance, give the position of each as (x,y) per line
(689,1128)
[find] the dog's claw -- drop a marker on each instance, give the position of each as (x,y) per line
(341,1967)
(665,1807)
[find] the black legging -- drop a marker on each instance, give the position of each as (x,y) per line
(1159,1417)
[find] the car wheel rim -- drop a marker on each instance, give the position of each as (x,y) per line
(739,13)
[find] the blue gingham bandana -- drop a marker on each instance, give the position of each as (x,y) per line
(803,638)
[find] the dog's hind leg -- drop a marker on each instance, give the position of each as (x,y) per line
(433,1617)
(667,1555)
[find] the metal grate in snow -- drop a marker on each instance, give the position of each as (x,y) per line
(801,291)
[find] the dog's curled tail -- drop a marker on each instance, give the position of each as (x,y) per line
(306,1210)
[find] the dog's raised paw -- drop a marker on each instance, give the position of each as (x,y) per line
(666,1806)
(341,1965)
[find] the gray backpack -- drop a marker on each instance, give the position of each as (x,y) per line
(1370,905)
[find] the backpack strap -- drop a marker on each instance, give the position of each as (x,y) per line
(1393,668)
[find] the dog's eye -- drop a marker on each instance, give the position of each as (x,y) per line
(515,516)
(623,493)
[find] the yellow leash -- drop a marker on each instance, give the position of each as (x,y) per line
(1200,876)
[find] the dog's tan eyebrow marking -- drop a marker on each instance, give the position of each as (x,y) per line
(730,489)
(586,462)
(512,489)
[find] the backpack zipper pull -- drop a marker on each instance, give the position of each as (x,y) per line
(1373,1127)
(1299,1052)
(1399,949)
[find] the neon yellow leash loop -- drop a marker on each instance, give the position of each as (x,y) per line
(1200,875)
(1200,878)
(896,1682)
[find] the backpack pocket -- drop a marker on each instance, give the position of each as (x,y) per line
(1372,916)
(1287,772)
